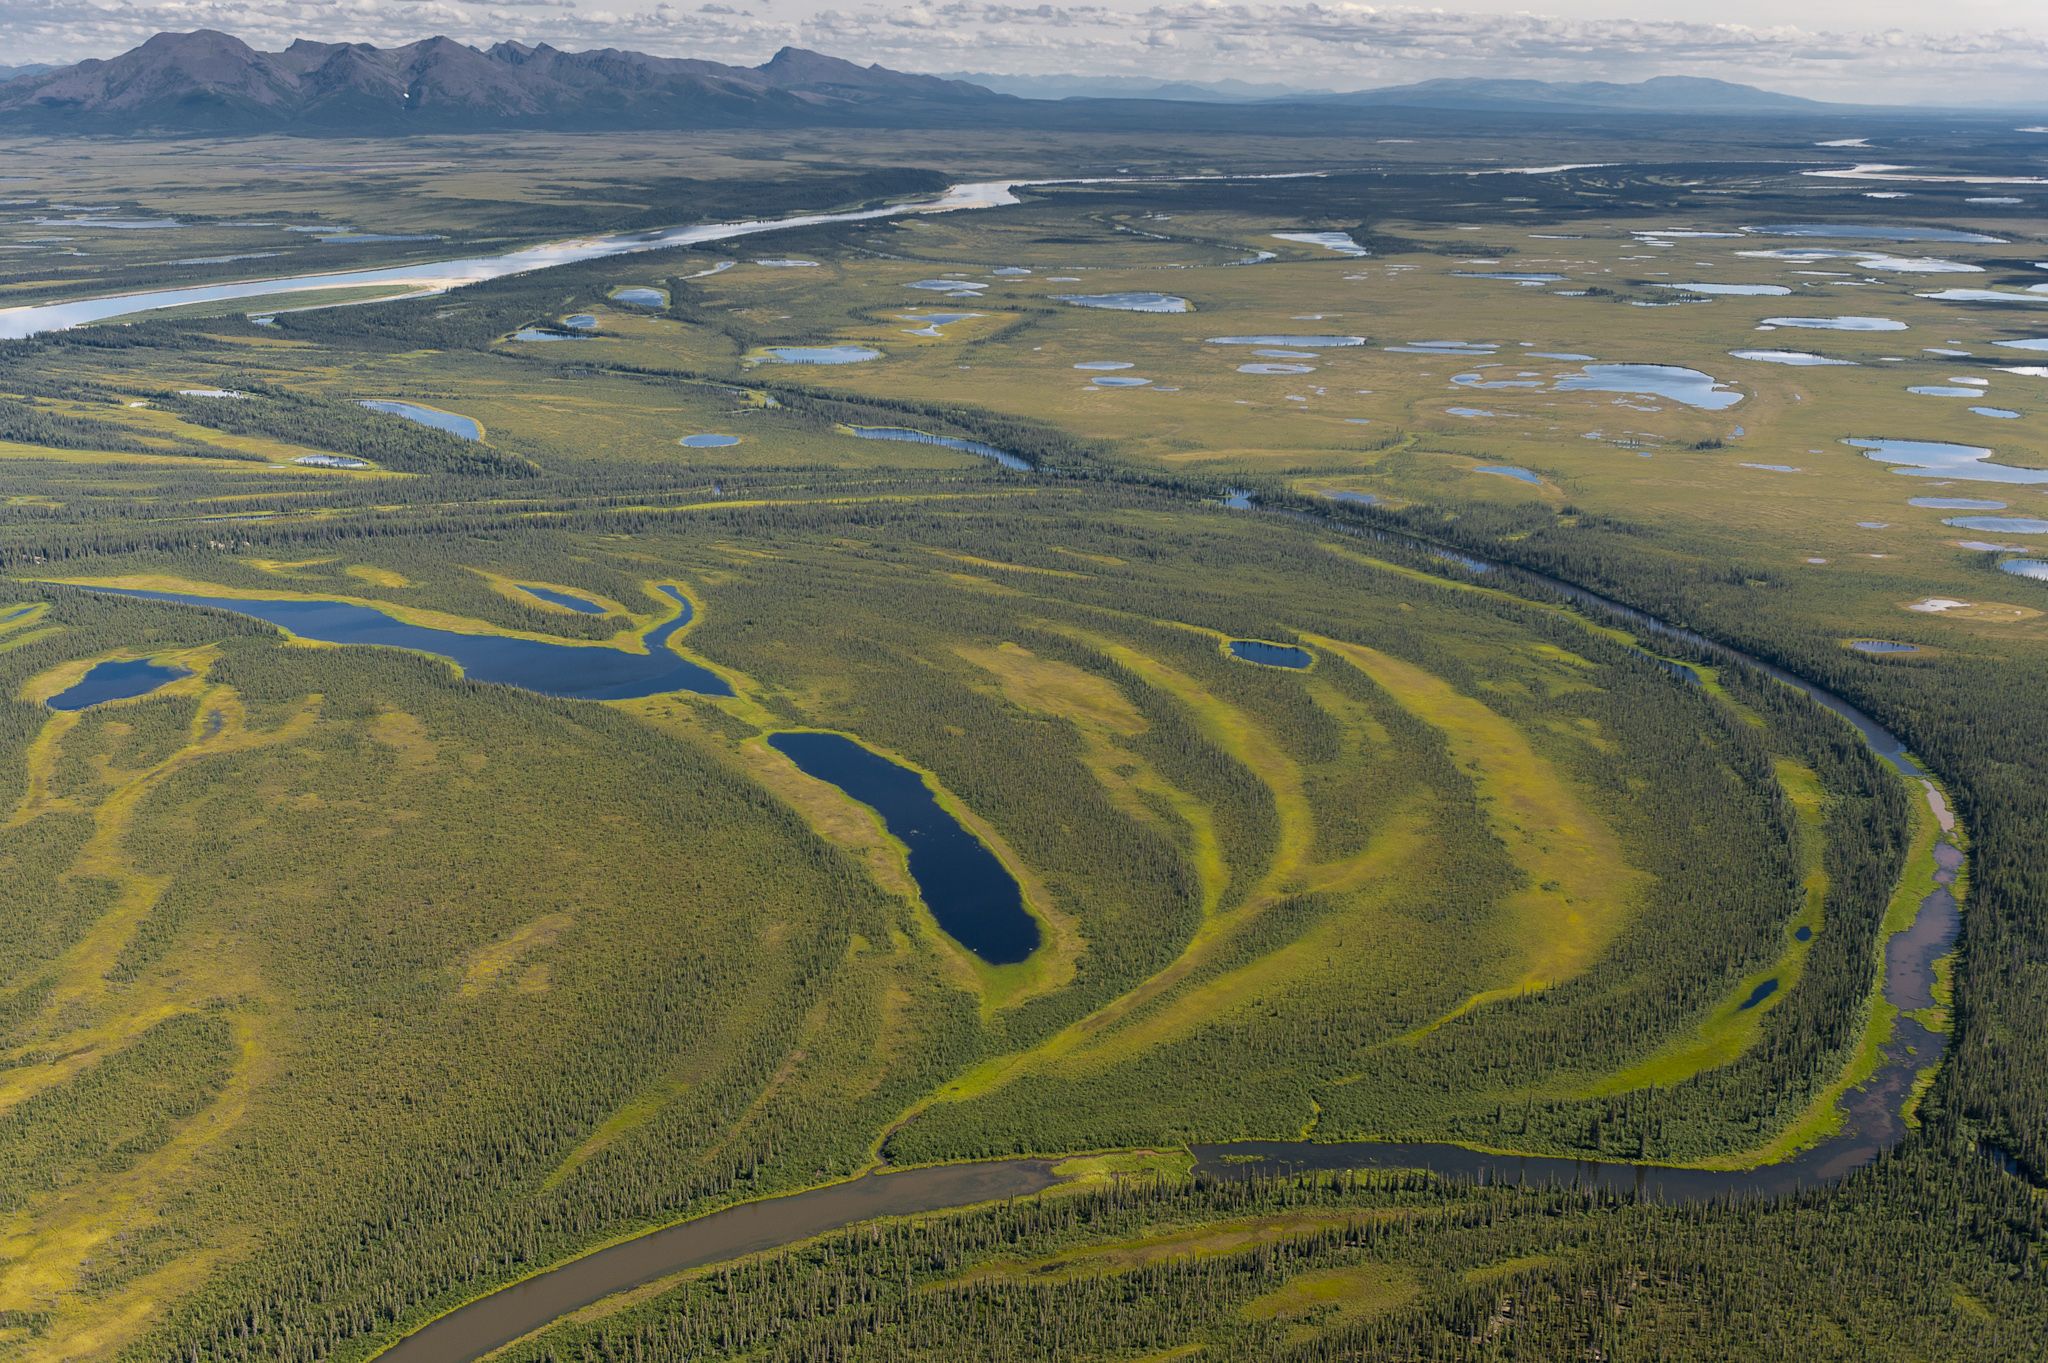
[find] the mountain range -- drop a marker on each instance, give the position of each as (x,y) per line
(1659,94)
(207,81)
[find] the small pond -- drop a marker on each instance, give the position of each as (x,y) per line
(1834,323)
(1998,413)
(538,334)
(1276,368)
(1939,390)
(580,321)
(1138,301)
(1956,503)
(1882,646)
(1795,357)
(461,427)
(821,354)
(1759,994)
(2000,525)
(1117,381)
(1105,365)
(1939,459)
(2034,568)
(1270,655)
(1514,276)
(1521,475)
(1318,342)
(965,885)
(1731,290)
(115,680)
(1688,386)
(332,461)
(640,297)
(951,442)
(708,440)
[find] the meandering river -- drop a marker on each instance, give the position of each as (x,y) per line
(1875,1111)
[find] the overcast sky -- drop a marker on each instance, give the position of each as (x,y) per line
(1875,51)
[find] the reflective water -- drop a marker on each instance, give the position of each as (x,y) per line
(2033,568)
(1510,471)
(640,297)
(965,885)
(1869,232)
(1516,276)
(1956,503)
(2000,413)
(1835,323)
(1276,369)
(436,276)
(708,440)
(821,354)
(1939,459)
(460,426)
(1136,301)
(1688,386)
(2000,525)
(1270,655)
(1105,365)
(115,680)
(1937,390)
(1318,342)
(1731,290)
(1119,382)
(951,442)
(1796,357)
(1340,242)
(576,671)
(555,596)
(1882,646)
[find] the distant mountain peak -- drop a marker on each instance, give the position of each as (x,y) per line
(207,80)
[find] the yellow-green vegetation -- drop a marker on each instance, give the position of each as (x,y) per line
(338,989)
(1580,889)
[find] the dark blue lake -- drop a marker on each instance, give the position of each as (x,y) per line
(1270,655)
(115,681)
(575,671)
(969,891)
